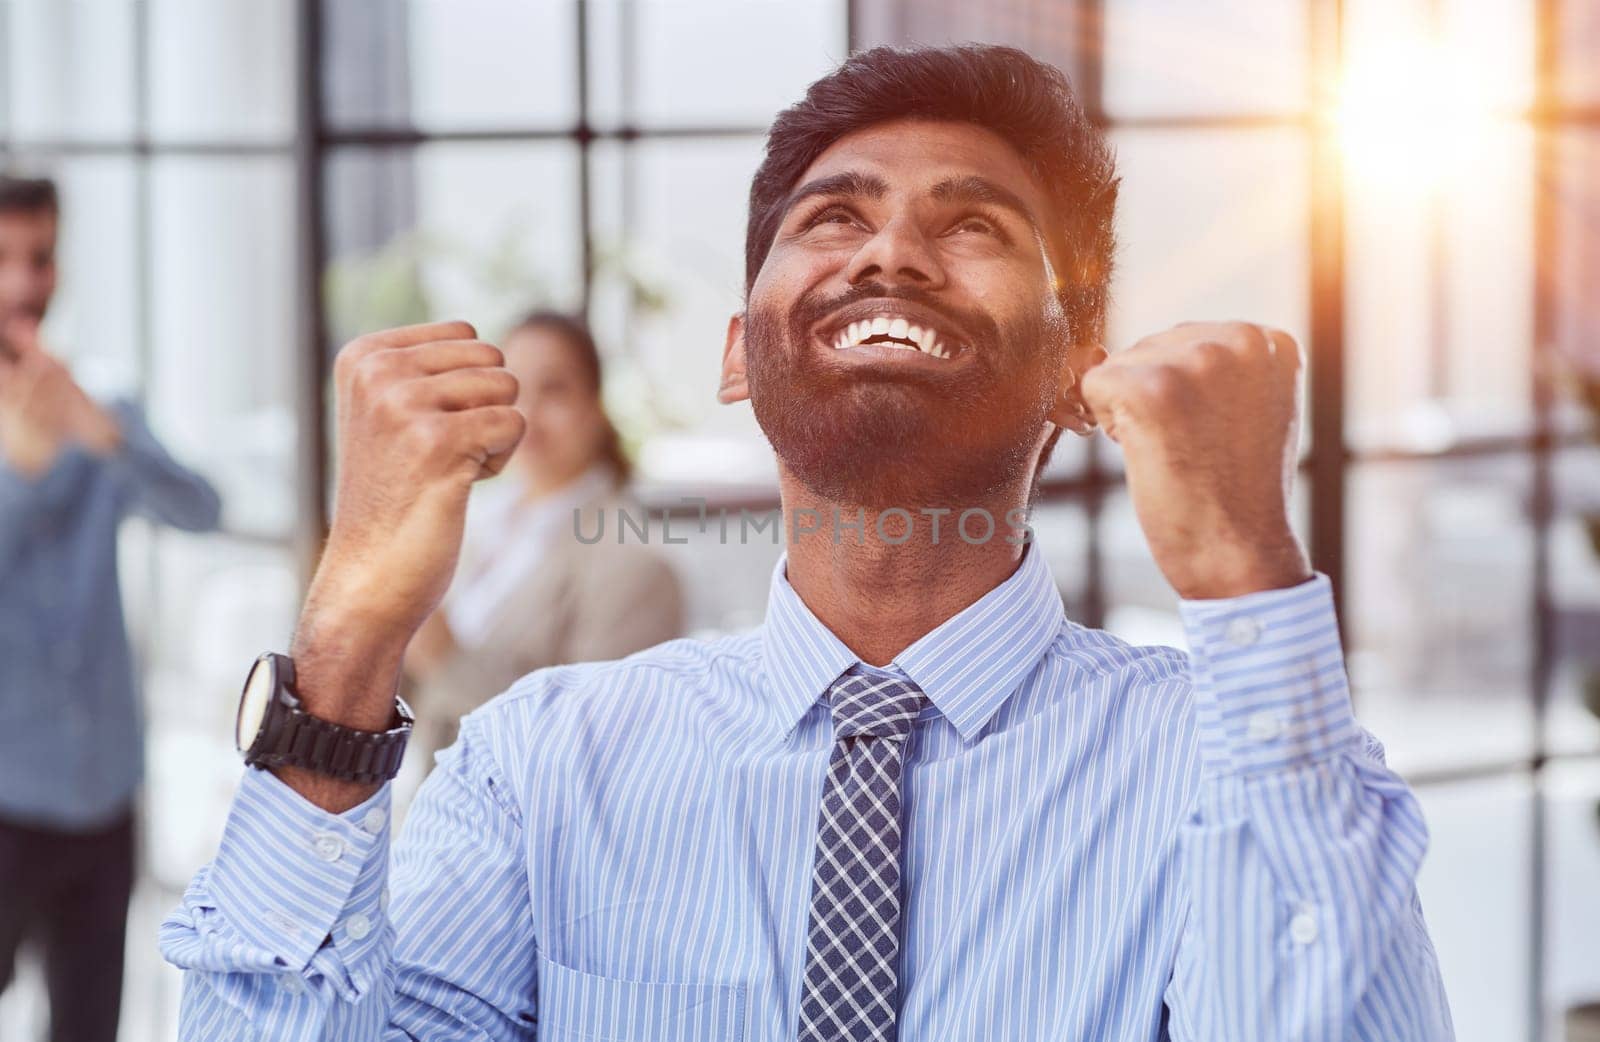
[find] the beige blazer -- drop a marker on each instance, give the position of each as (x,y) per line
(585,603)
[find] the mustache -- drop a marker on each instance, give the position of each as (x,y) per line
(984,330)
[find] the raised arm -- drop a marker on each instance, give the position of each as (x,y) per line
(1300,862)
(423,412)
(156,485)
(321,940)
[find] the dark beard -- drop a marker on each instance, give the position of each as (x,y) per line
(906,440)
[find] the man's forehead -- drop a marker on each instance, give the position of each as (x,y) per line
(913,155)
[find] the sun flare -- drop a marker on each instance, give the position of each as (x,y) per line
(1411,113)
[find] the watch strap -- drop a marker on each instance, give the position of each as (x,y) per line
(291,737)
(295,738)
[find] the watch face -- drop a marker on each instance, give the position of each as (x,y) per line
(258,692)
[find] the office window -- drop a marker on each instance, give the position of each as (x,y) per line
(1165,58)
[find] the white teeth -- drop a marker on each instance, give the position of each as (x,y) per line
(925,340)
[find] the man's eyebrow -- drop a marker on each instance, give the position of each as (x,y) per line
(974,189)
(849,183)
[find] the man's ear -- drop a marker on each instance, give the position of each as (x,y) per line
(735,385)
(1070,410)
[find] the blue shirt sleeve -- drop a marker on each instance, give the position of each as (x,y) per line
(1302,856)
(156,486)
(291,934)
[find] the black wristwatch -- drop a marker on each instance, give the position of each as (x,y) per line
(273,730)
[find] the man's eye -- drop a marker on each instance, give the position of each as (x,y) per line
(835,215)
(974,224)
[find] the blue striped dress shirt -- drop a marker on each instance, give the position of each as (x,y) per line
(1101,842)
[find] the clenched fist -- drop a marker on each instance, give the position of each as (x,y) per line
(423,412)
(1208,417)
(42,409)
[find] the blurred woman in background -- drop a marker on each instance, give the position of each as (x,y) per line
(528,593)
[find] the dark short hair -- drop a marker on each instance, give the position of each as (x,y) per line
(28,195)
(1025,101)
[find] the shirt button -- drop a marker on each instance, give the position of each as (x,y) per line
(1242,632)
(328,846)
(1265,726)
(292,983)
(1303,927)
(374,820)
(358,926)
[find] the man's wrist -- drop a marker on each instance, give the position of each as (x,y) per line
(1224,574)
(346,673)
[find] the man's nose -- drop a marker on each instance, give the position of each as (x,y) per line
(899,252)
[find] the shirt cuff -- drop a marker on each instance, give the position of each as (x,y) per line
(1270,686)
(291,876)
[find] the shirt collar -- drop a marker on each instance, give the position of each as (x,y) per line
(967,666)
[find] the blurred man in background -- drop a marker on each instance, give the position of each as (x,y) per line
(70,736)
(528,592)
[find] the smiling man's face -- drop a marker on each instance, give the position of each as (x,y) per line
(904,339)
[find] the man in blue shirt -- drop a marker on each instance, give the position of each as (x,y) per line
(917,802)
(70,745)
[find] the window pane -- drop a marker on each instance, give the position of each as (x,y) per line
(1253,57)
(217,603)
(710,62)
(1440,57)
(1438,608)
(1439,315)
(1211,225)
(1574,708)
(69,73)
(221,71)
(223,352)
(670,228)
(95,317)
(1049,30)
(482,232)
(1476,893)
(450,64)
(1572,864)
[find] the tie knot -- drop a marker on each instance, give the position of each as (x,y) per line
(881,707)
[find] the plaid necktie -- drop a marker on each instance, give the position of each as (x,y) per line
(852,978)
